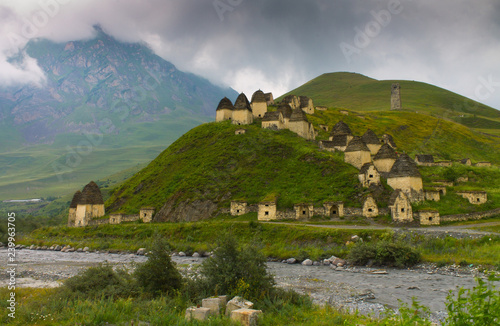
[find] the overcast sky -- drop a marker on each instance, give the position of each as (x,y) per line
(277,45)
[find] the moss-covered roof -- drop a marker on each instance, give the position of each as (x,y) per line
(369,137)
(298,115)
(328,143)
(304,101)
(404,167)
(286,110)
(225,104)
(77,199)
(356,145)
(341,128)
(289,99)
(258,97)
(242,103)
(91,194)
(385,152)
(271,116)
(340,140)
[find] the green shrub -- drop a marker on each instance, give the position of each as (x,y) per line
(99,282)
(235,271)
(158,274)
(477,306)
(384,253)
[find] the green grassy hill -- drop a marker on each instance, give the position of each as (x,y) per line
(211,163)
(360,93)
(210,166)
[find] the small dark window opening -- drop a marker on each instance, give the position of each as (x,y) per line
(334,212)
(430,219)
(266,213)
(370,210)
(237,211)
(303,212)
(478,199)
(371,175)
(402,210)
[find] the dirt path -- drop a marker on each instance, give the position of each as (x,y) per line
(468,229)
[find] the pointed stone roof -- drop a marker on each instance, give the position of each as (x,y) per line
(286,110)
(304,101)
(340,140)
(397,193)
(356,145)
(77,199)
(298,115)
(404,167)
(385,152)
(370,138)
(242,103)
(365,168)
(225,104)
(258,97)
(327,144)
(91,194)
(341,128)
(289,98)
(271,116)
(389,140)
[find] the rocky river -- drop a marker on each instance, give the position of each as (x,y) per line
(368,290)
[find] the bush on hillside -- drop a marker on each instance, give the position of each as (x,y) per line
(158,275)
(235,271)
(384,253)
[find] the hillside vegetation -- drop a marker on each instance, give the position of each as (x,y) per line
(360,93)
(210,164)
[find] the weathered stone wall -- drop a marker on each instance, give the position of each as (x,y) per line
(238,208)
(273,125)
(301,128)
(285,215)
(85,212)
(146,214)
(401,211)
(432,195)
(242,117)
(474,197)
(72,217)
(470,216)
(428,217)
(483,164)
(370,208)
(357,159)
(223,115)
(395,97)
(303,211)
(98,222)
(411,186)
(258,109)
(353,211)
(267,211)
(371,176)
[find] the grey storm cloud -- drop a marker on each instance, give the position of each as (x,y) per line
(277,45)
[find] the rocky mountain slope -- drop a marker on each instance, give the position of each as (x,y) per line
(124,100)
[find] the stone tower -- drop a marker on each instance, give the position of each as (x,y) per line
(395,97)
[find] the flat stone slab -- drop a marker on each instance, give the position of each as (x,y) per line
(197,313)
